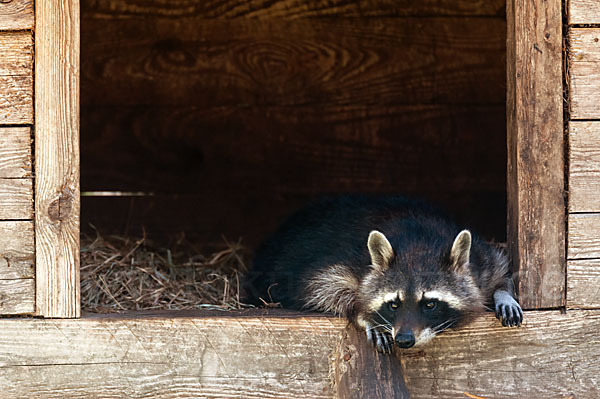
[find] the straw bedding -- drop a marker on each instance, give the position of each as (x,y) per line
(121,273)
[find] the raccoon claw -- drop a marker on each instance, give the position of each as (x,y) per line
(382,341)
(508,309)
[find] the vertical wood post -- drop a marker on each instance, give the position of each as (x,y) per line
(57,158)
(536,206)
(362,373)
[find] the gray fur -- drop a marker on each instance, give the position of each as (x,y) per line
(380,262)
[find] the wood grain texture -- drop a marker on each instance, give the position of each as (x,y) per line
(16,250)
(16,199)
(57,158)
(281,157)
(584,12)
(16,14)
(276,354)
(17,297)
(15,152)
(584,236)
(206,218)
(584,166)
(362,373)
(552,355)
(16,77)
(291,9)
(294,149)
(583,283)
(536,206)
(584,72)
(341,61)
(16,58)
(254,356)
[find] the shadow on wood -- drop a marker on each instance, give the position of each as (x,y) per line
(361,372)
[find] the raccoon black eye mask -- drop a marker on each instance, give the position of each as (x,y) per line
(396,268)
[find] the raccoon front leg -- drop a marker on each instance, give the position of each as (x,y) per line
(507,308)
(380,338)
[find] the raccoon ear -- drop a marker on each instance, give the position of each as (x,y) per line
(461,250)
(380,249)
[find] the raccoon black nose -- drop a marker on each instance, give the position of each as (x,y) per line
(405,340)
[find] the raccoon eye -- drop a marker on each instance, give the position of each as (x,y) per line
(393,305)
(431,305)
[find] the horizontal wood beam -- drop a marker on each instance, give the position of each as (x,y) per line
(16,250)
(316,61)
(247,354)
(16,14)
(16,199)
(584,11)
(15,152)
(584,74)
(17,296)
(584,236)
(583,284)
(16,77)
(584,166)
(280,354)
(292,9)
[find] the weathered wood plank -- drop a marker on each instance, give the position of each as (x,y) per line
(17,296)
(206,63)
(584,166)
(552,355)
(16,250)
(57,158)
(15,152)
(291,9)
(584,12)
(583,283)
(16,58)
(255,356)
(535,173)
(16,100)
(362,373)
(272,354)
(16,77)
(584,236)
(584,72)
(16,15)
(299,149)
(206,218)
(16,199)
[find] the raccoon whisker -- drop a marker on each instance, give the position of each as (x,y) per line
(385,326)
(383,318)
(443,326)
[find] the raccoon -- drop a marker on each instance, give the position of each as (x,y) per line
(398,268)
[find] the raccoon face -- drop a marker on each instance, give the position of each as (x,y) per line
(408,299)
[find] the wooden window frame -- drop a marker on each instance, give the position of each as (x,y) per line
(535,135)
(535,173)
(57,203)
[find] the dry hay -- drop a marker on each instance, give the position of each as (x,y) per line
(120,273)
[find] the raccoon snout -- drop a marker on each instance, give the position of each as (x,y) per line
(405,340)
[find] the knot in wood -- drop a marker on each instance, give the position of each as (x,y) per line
(61,208)
(5,1)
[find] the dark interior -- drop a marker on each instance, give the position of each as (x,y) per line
(235,113)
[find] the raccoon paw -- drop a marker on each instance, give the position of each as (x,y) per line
(380,339)
(508,309)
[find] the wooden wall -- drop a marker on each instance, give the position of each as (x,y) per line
(583,266)
(17,252)
(236,113)
(276,354)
